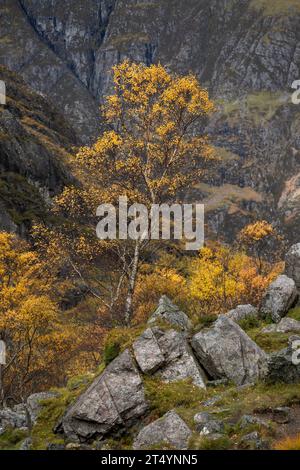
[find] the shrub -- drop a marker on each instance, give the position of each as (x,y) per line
(289,443)
(111,351)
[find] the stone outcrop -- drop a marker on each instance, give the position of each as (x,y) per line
(168,355)
(169,313)
(34,405)
(67,54)
(292,264)
(170,429)
(284,366)
(12,418)
(225,350)
(114,401)
(242,312)
(285,325)
(207,424)
(281,295)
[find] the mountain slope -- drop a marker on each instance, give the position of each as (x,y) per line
(34,145)
(247,52)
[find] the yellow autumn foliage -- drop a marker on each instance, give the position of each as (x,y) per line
(222,278)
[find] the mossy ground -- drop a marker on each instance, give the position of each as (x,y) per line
(11,439)
(276,7)
(226,402)
(23,200)
(53,408)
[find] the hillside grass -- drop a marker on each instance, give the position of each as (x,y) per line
(276,7)
(259,107)
(53,409)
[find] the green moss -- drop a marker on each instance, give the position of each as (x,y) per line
(205,321)
(42,433)
(163,397)
(257,398)
(259,107)
(53,409)
(119,339)
(22,200)
(276,7)
(11,439)
(111,351)
(250,323)
(269,342)
(198,442)
(295,313)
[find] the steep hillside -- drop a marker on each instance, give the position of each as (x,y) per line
(34,145)
(247,52)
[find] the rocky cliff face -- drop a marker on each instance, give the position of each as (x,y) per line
(34,145)
(247,52)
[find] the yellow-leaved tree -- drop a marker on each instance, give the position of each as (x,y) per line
(152,149)
(262,242)
(223,277)
(38,344)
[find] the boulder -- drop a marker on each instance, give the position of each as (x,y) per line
(168,355)
(206,424)
(285,325)
(147,352)
(170,313)
(249,420)
(12,419)
(113,402)
(170,429)
(54,446)
(225,350)
(253,441)
(281,295)
(292,264)
(211,428)
(242,312)
(34,405)
(26,444)
(282,414)
(284,366)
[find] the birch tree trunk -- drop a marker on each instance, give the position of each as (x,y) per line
(132,281)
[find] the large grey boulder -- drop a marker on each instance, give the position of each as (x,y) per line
(284,366)
(10,418)
(114,401)
(292,264)
(281,295)
(170,429)
(170,313)
(285,325)
(225,350)
(147,352)
(242,312)
(167,354)
(34,404)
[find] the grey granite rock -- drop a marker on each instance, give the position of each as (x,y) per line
(114,401)
(292,264)
(170,313)
(225,350)
(242,312)
(169,429)
(284,326)
(281,295)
